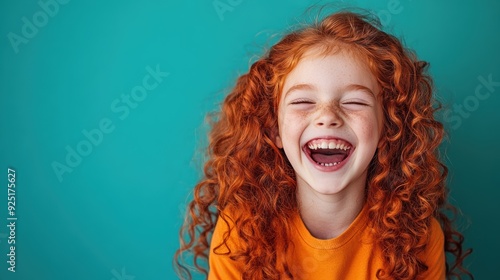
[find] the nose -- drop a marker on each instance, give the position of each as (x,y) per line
(329,116)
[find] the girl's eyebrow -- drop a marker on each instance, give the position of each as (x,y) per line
(300,87)
(355,87)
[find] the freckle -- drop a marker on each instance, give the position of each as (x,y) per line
(333,107)
(303,114)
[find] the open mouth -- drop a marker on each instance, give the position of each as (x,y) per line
(328,152)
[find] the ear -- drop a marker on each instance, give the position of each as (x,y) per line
(274,134)
(278,142)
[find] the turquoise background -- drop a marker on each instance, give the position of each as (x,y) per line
(117,214)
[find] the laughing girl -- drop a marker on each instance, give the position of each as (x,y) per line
(323,164)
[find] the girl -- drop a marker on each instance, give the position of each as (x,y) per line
(323,164)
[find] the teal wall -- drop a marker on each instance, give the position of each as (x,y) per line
(102,107)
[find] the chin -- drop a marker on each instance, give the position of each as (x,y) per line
(328,188)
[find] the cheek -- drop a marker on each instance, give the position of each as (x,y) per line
(290,120)
(369,128)
(288,128)
(291,127)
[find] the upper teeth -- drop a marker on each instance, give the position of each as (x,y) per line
(328,145)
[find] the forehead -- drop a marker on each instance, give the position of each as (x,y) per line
(330,70)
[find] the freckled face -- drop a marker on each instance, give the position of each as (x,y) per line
(330,122)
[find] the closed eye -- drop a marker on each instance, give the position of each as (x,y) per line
(356,103)
(302,101)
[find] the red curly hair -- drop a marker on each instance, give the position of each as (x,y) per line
(246,170)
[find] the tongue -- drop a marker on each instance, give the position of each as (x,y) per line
(329,156)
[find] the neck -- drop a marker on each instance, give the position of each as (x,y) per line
(329,215)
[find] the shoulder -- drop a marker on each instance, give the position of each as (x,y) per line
(224,234)
(437,234)
(224,241)
(435,242)
(434,254)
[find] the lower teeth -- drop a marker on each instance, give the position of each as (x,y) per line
(328,164)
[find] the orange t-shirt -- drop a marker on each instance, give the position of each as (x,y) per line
(351,255)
